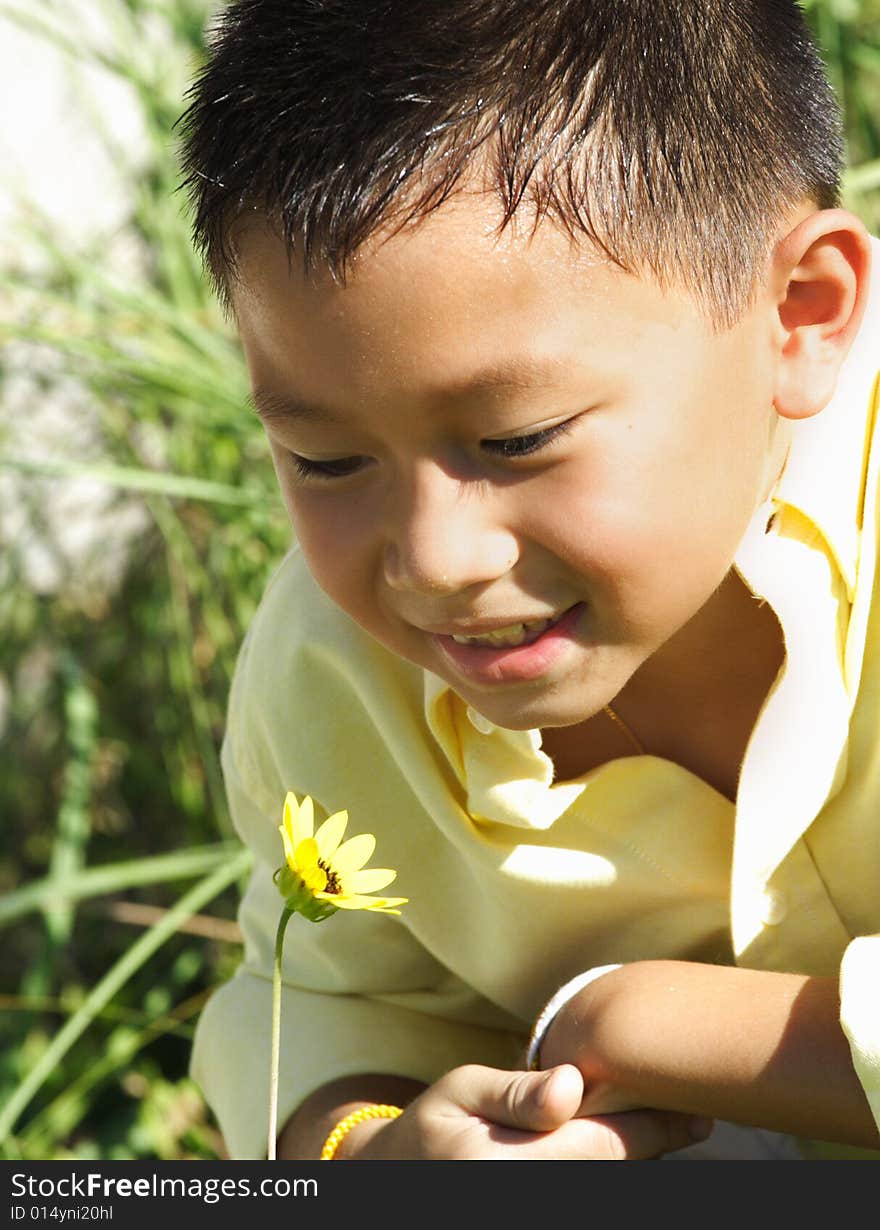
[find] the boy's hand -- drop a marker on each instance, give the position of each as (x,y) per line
(479,1113)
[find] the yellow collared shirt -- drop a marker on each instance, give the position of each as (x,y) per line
(516,882)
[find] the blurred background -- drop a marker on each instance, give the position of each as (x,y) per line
(138,524)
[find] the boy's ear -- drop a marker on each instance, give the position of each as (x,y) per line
(820,271)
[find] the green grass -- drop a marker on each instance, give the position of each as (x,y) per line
(110,786)
(116,829)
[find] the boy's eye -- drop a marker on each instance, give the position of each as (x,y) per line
(507,447)
(337,467)
(522,446)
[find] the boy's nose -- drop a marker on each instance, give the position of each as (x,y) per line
(447,538)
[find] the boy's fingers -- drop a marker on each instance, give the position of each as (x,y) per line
(527,1101)
(636,1135)
(633,1136)
(515,1104)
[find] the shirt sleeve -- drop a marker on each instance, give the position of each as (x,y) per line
(360,995)
(860,1014)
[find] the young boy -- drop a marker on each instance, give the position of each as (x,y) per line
(567,360)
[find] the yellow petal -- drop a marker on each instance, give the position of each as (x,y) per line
(299,818)
(290,809)
(387,905)
(360,902)
(315,879)
(353,902)
(353,853)
(329,835)
(288,847)
(306,854)
(306,822)
(370,880)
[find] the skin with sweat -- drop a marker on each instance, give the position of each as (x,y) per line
(477,432)
(482,434)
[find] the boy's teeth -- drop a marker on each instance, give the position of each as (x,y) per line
(513,634)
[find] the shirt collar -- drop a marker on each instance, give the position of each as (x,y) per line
(506,777)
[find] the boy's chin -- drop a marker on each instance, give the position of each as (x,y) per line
(544,713)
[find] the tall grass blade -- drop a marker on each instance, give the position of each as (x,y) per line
(112,878)
(110,984)
(155,482)
(73,828)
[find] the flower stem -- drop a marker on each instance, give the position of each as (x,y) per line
(276,1032)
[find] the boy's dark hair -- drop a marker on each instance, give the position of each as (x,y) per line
(673,134)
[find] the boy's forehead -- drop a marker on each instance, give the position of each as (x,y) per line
(462,240)
(447,299)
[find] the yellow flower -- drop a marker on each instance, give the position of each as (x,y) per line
(323,873)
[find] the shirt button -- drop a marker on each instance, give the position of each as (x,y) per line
(774,907)
(480,723)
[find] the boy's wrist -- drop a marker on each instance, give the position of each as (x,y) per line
(555,1008)
(358,1139)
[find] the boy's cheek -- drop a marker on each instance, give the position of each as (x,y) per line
(343,572)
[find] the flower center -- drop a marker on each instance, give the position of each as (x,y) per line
(333,885)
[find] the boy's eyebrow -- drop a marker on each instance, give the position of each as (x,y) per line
(270,406)
(521,373)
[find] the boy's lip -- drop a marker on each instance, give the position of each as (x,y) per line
(490,665)
(486,626)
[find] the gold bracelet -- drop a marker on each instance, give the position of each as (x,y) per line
(375,1110)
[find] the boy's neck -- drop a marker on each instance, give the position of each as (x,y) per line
(695,702)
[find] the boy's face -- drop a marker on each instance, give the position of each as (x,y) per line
(476,433)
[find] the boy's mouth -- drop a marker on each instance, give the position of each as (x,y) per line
(516,652)
(510,635)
